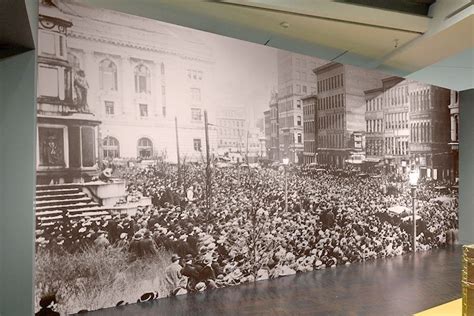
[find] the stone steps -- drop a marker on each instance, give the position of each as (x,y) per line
(53,202)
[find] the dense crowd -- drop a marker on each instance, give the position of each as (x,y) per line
(249,232)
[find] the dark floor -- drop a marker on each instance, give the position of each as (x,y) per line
(398,286)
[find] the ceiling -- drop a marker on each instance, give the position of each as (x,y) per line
(400,37)
(427,40)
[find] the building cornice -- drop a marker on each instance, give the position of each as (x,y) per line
(130,44)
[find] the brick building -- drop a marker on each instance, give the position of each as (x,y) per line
(341,110)
(309,128)
(430,130)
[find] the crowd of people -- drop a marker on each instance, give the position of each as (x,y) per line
(241,229)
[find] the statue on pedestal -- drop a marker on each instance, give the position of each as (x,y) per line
(80,87)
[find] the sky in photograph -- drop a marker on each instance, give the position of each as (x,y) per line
(244,74)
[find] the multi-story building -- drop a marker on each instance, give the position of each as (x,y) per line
(140,74)
(231,129)
(274,144)
(430,130)
(309,128)
(396,123)
(454,143)
(268,132)
(295,80)
(374,125)
(341,110)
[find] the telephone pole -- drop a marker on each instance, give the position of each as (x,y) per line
(177,150)
(208,163)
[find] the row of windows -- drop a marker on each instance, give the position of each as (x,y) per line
(374,147)
(396,96)
(331,102)
(331,121)
(373,126)
(420,100)
(422,132)
(309,127)
(230,123)
(310,146)
(331,141)
(374,104)
(231,132)
(396,146)
(108,75)
(331,83)
(142,109)
(396,120)
(309,109)
(111,147)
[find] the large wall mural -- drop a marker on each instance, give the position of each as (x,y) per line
(173,161)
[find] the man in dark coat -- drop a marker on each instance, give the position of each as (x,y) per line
(191,272)
(48,306)
(147,245)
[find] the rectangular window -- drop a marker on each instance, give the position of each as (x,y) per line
(196,114)
(163,95)
(196,94)
(48,81)
(47,43)
(143,110)
(197,144)
(163,111)
(305,89)
(109,108)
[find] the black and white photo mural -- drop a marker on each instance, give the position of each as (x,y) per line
(172,161)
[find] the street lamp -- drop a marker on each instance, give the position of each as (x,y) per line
(285,163)
(413,179)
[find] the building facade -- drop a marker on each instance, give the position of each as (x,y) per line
(268,132)
(295,80)
(231,129)
(138,81)
(309,128)
(374,125)
(430,130)
(341,110)
(274,144)
(396,131)
(454,143)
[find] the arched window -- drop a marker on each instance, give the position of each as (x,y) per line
(142,79)
(145,148)
(108,75)
(111,147)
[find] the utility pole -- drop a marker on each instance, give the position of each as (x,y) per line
(208,163)
(177,150)
(247,149)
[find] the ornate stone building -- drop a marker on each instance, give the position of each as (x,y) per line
(140,74)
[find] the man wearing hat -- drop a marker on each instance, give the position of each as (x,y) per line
(191,272)
(173,277)
(48,305)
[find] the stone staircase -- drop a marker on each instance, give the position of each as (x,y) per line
(53,202)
